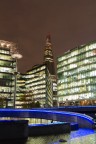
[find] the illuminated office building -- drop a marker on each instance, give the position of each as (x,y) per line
(7,68)
(39,84)
(21,99)
(76,70)
(40,81)
(49,61)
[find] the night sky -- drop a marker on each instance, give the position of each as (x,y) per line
(27,22)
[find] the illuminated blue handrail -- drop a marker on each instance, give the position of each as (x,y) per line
(81,119)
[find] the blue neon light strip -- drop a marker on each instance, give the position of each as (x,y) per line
(29,114)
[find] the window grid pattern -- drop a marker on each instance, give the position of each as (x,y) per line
(76,71)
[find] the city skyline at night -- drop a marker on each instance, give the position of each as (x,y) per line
(27,22)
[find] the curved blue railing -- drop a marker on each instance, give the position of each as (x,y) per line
(82,120)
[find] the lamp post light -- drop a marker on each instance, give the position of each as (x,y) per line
(16,56)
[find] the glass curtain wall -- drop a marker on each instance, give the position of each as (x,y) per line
(76,71)
(7,66)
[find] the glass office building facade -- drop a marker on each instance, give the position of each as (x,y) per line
(76,70)
(38,83)
(7,68)
(20,91)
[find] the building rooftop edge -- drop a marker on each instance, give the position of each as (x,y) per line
(80,46)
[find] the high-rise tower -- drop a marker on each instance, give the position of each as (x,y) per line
(40,81)
(48,55)
(49,61)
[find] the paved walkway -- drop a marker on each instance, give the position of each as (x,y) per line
(82,136)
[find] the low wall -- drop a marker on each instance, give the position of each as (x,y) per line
(13,129)
(48,129)
(83,121)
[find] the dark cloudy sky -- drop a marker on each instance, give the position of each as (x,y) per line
(27,22)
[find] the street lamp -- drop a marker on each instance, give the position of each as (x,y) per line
(16,56)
